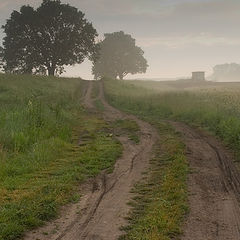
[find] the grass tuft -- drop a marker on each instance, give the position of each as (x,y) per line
(129,127)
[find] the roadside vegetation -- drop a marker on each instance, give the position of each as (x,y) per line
(161,201)
(127,127)
(49,144)
(214,106)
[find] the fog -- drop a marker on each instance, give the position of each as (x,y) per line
(178,37)
(226,73)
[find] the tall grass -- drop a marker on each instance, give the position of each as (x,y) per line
(41,161)
(34,112)
(217,109)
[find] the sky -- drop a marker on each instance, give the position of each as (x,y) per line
(177,36)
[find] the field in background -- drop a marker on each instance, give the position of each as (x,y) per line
(48,145)
(186,84)
(215,106)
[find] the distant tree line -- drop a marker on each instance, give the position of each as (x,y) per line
(46,39)
(226,72)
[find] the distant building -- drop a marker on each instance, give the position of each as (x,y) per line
(198,76)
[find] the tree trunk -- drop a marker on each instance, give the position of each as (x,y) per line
(121,76)
(51,71)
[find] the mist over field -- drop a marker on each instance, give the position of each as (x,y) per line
(178,37)
(119,120)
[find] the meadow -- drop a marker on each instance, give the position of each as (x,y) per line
(161,204)
(49,144)
(213,106)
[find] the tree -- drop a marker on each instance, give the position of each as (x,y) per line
(48,38)
(226,72)
(18,41)
(1,57)
(119,56)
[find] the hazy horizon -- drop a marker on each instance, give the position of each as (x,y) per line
(178,37)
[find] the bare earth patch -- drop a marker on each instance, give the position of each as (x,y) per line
(214,188)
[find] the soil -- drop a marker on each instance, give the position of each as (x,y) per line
(214,188)
(103,208)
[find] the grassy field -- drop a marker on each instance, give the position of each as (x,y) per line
(48,145)
(161,204)
(214,106)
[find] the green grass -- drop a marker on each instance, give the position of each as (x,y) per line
(95,96)
(160,201)
(128,127)
(160,204)
(214,107)
(48,145)
(99,105)
(95,90)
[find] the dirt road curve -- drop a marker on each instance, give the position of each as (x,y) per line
(214,188)
(104,204)
(111,208)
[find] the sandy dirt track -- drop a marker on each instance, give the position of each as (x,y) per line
(214,187)
(104,203)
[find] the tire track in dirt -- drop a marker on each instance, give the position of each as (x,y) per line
(103,207)
(214,187)
(108,217)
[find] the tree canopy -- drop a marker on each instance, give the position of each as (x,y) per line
(1,57)
(226,72)
(119,56)
(47,39)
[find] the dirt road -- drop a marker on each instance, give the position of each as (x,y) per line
(104,203)
(214,187)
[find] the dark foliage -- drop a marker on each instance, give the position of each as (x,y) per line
(118,57)
(47,39)
(1,57)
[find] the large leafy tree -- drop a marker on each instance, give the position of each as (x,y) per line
(18,43)
(47,39)
(119,56)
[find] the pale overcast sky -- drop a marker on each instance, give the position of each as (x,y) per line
(178,36)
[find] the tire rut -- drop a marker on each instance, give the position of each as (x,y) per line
(214,188)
